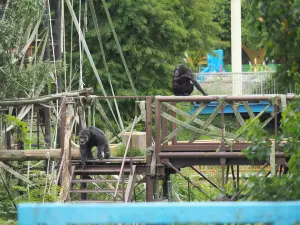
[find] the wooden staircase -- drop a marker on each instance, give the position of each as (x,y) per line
(105,181)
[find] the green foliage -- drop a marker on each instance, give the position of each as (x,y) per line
(180,186)
(8,222)
(154,36)
(259,137)
(253,35)
(21,126)
(120,151)
(18,80)
(20,192)
(287,186)
(280,19)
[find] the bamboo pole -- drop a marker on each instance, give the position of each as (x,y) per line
(66,147)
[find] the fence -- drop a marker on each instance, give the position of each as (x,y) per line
(247,82)
(283,213)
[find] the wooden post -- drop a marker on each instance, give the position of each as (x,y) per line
(149,181)
(66,170)
(164,124)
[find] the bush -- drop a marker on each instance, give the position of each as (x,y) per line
(120,151)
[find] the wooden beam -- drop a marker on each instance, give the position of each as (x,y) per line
(44,99)
(17,175)
(66,170)
(130,185)
(39,154)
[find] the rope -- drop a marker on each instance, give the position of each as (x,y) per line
(28,169)
(48,165)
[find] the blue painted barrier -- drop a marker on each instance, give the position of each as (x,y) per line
(283,213)
(255,107)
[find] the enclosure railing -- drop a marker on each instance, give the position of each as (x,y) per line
(248,82)
(277,213)
(222,145)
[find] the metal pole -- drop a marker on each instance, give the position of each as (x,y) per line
(208,180)
(227,174)
(165,186)
(157,130)
(236,45)
(131,156)
(223,160)
(38,126)
(238,177)
(189,191)
(170,190)
(7,189)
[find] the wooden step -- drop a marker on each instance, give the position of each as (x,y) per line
(95,180)
(101,170)
(94,191)
(95,201)
(119,160)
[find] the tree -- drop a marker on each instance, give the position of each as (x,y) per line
(276,188)
(16,25)
(154,36)
(280,20)
(253,36)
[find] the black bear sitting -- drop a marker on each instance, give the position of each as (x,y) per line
(90,137)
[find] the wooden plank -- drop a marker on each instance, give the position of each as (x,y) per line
(130,185)
(94,191)
(203,147)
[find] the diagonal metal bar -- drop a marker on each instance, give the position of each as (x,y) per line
(240,191)
(188,179)
(210,118)
(187,126)
(7,189)
(208,180)
(197,120)
(214,114)
(247,107)
(188,121)
(257,117)
(237,114)
(102,112)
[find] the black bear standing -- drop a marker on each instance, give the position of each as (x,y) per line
(90,137)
